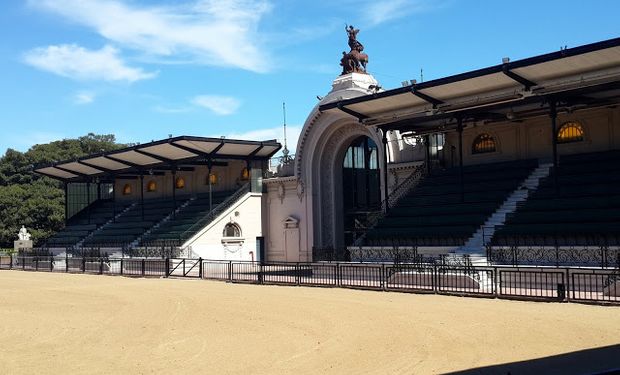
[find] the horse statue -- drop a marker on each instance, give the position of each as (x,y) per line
(356,60)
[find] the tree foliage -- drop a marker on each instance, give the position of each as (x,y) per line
(36,201)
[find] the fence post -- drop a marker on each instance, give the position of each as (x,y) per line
(568,284)
(260,272)
(435,278)
(494,280)
(200,269)
(383,277)
(83,264)
(297,274)
(230,270)
(121,266)
(143,266)
(167,267)
(338,275)
(23,263)
(11,261)
(51,264)
(101,266)
(36,263)
(515,261)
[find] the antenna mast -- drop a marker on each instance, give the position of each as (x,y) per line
(285,149)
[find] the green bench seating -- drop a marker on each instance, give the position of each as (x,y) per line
(583,210)
(435,213)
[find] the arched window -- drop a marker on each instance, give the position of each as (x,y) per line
(151,186)
(482,144)
(232,230)
(570,132)
(179,183)
(127,189)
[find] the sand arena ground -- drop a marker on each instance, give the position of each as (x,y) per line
(65,323)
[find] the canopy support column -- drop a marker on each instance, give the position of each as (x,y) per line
(554,143)
(66,202)
(142,194)
(461,178)
(114,201)
(210,166)
(427,143)
(174,191)
(88,200)
(385,171)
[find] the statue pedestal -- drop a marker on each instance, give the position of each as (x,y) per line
(22,245)
(354,81)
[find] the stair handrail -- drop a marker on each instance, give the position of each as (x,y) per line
(216,211)
(397,193)
(404,187)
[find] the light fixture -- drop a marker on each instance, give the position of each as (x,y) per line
(505,60)
(179,183)
(245,174)
(212,179)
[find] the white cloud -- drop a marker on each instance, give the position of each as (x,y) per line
(171,110)
(209,32)
(84,97)
(375,12)
(220,105)
(73,61)
(292,135)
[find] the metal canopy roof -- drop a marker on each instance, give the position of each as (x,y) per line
(184,150)
(510,83)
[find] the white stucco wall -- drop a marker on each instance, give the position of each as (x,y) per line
(284,239)
(209,243)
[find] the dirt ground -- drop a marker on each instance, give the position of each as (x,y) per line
(63,323)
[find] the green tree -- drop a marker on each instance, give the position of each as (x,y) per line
(36,201)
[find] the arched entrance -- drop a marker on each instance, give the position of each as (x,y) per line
(361,186)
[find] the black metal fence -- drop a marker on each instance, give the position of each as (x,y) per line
(601,256)
(568,284)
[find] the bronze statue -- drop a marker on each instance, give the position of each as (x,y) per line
(355,61)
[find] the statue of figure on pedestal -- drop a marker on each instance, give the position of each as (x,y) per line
(355,61)
(23,234)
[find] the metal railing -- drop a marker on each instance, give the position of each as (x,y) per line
(565,284)
(392,199)
(601,256)
(215,212)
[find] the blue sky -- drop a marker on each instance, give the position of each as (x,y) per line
(145,69)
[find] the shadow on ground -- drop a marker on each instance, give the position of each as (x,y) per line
(604,360)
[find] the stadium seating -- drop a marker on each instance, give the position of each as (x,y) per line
(134,222)
(583,210)
(84,222)
(183,223)
(434,213)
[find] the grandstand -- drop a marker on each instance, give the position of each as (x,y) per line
(520,153)
(183,192)
(524,153)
